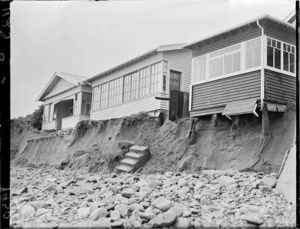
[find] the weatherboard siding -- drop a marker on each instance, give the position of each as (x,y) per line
(212,97)
(279,87)
(181,61)
(284,33)
(146,104)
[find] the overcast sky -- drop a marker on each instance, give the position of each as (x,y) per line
(86,38)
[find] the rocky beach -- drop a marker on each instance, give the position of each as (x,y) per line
(52,198)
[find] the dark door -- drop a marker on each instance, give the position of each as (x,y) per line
(176,96)
(175,80)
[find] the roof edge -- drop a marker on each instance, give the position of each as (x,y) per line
(266,16)
(143,55)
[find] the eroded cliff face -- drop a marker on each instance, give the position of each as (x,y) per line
(95,144)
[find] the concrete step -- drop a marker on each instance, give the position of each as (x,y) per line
(128,161)
(133,155)
(138,149)
(124,168)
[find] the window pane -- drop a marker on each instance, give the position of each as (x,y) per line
(219,66)
(270,56)
(286,61)
(257,56)
(236,62)
(277,59)
(228,64)
(249,58)
(292,63)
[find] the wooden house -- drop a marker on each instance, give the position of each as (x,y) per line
(67,100)
(144,84)
(244,68)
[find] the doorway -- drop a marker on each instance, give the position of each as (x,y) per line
(176,96)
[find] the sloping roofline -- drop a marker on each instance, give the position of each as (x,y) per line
(266,16)
(291,16)
(74,79)
(160,48)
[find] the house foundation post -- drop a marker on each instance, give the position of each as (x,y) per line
(265,121)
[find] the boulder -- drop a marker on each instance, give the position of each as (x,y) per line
(101,223)
(123,209)
(253,219)
(98,213)
(182,223)
(115,215)
(182,182)
(177,209)
(27,211)
(164,220)
(162,204)
(83,212)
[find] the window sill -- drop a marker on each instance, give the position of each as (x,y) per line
(226,76)
(152,95)
(280,71)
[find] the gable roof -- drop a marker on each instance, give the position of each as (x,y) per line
(266,16)
(160,48)
(73,79)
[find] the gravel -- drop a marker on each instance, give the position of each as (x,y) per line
(65,198)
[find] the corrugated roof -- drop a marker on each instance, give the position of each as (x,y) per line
(266,16)
(160,48)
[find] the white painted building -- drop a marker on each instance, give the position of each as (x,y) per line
(135,85)
(67,100)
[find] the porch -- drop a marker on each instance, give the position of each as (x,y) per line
(68,112)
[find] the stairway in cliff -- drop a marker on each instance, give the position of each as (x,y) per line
(134,159)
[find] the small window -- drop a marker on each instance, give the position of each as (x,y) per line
(164,83)
(71,111)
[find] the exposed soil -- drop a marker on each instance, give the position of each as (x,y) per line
(94,144)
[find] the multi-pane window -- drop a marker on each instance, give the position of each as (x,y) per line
(131,83)
(138,84)
(127,85)
(96,98)
(115,91)
(232,59)
(155,78)
(200,68)
(273,53)
(288,58)
(144,81)
(103,95)
(253,53)
(134,86)
(224,61)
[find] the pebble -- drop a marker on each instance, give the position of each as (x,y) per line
(212,199)
(83,212)
(162,204)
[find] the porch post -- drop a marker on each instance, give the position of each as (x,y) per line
(80,101)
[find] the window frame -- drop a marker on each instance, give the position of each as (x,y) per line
(281,70)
